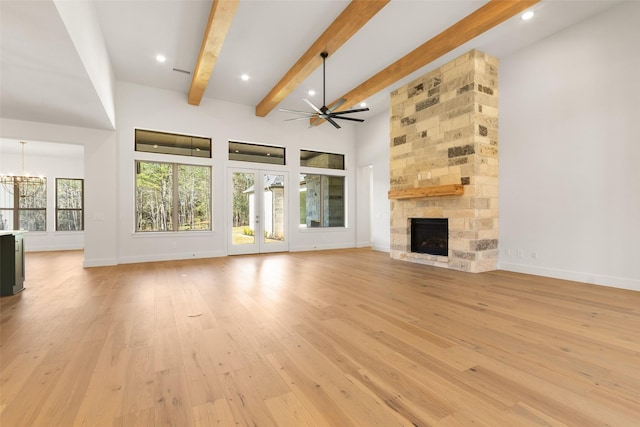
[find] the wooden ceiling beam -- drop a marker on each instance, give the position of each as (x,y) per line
(220,17)
(481,20)
(352,19)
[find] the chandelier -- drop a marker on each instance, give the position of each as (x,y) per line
(21,182)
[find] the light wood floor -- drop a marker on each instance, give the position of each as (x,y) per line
(331,338)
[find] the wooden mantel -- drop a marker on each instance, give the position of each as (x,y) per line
(433,191)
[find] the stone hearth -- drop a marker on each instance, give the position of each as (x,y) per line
(444,130)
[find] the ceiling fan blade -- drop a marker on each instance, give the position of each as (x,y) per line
(339,103)
(311,105)
(347,118)
(337,126)
(284,110)
(355,110)
(301,118)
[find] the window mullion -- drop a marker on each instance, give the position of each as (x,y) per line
(322,224)
(175,199)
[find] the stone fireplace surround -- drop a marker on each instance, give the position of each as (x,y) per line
(444,131)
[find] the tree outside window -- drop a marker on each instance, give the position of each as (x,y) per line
(172,197)
(69,204)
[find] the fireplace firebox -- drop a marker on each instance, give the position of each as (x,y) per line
(430,236)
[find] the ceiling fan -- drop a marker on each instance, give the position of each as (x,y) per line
(324,112)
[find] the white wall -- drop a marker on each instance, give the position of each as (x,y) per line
(147,108)
(372,138)
(569,153)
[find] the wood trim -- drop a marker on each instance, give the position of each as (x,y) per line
(433,191)
(483,19)
(220,18)
(352,19)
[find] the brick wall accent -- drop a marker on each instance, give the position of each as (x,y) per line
(444,130)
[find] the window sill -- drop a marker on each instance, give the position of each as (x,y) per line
(322,229)
(160,234)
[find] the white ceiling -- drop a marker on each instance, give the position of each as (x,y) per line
(44,80)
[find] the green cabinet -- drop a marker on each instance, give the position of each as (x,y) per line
(11,263)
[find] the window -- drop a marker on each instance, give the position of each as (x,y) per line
(172,197)
(69,204)
(170,143)
(322,201)
(23,205)
(316,159)
(245,152)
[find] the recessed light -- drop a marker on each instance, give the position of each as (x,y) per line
(527,15)
(311,92)
(161,58)
(245,77)
(363,104)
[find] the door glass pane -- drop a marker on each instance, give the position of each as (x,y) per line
(243,208)
(274,207)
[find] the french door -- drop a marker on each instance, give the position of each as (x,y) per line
(258,211)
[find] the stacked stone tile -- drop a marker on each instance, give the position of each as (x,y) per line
(444,130)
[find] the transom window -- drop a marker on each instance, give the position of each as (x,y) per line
(247,152)
(318,159)
(171,143)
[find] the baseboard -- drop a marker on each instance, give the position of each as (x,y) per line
(316,247)
(577,276)
(169,257)
(31,248)
(381,248)
(99,262)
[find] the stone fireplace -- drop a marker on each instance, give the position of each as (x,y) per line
(444,162)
